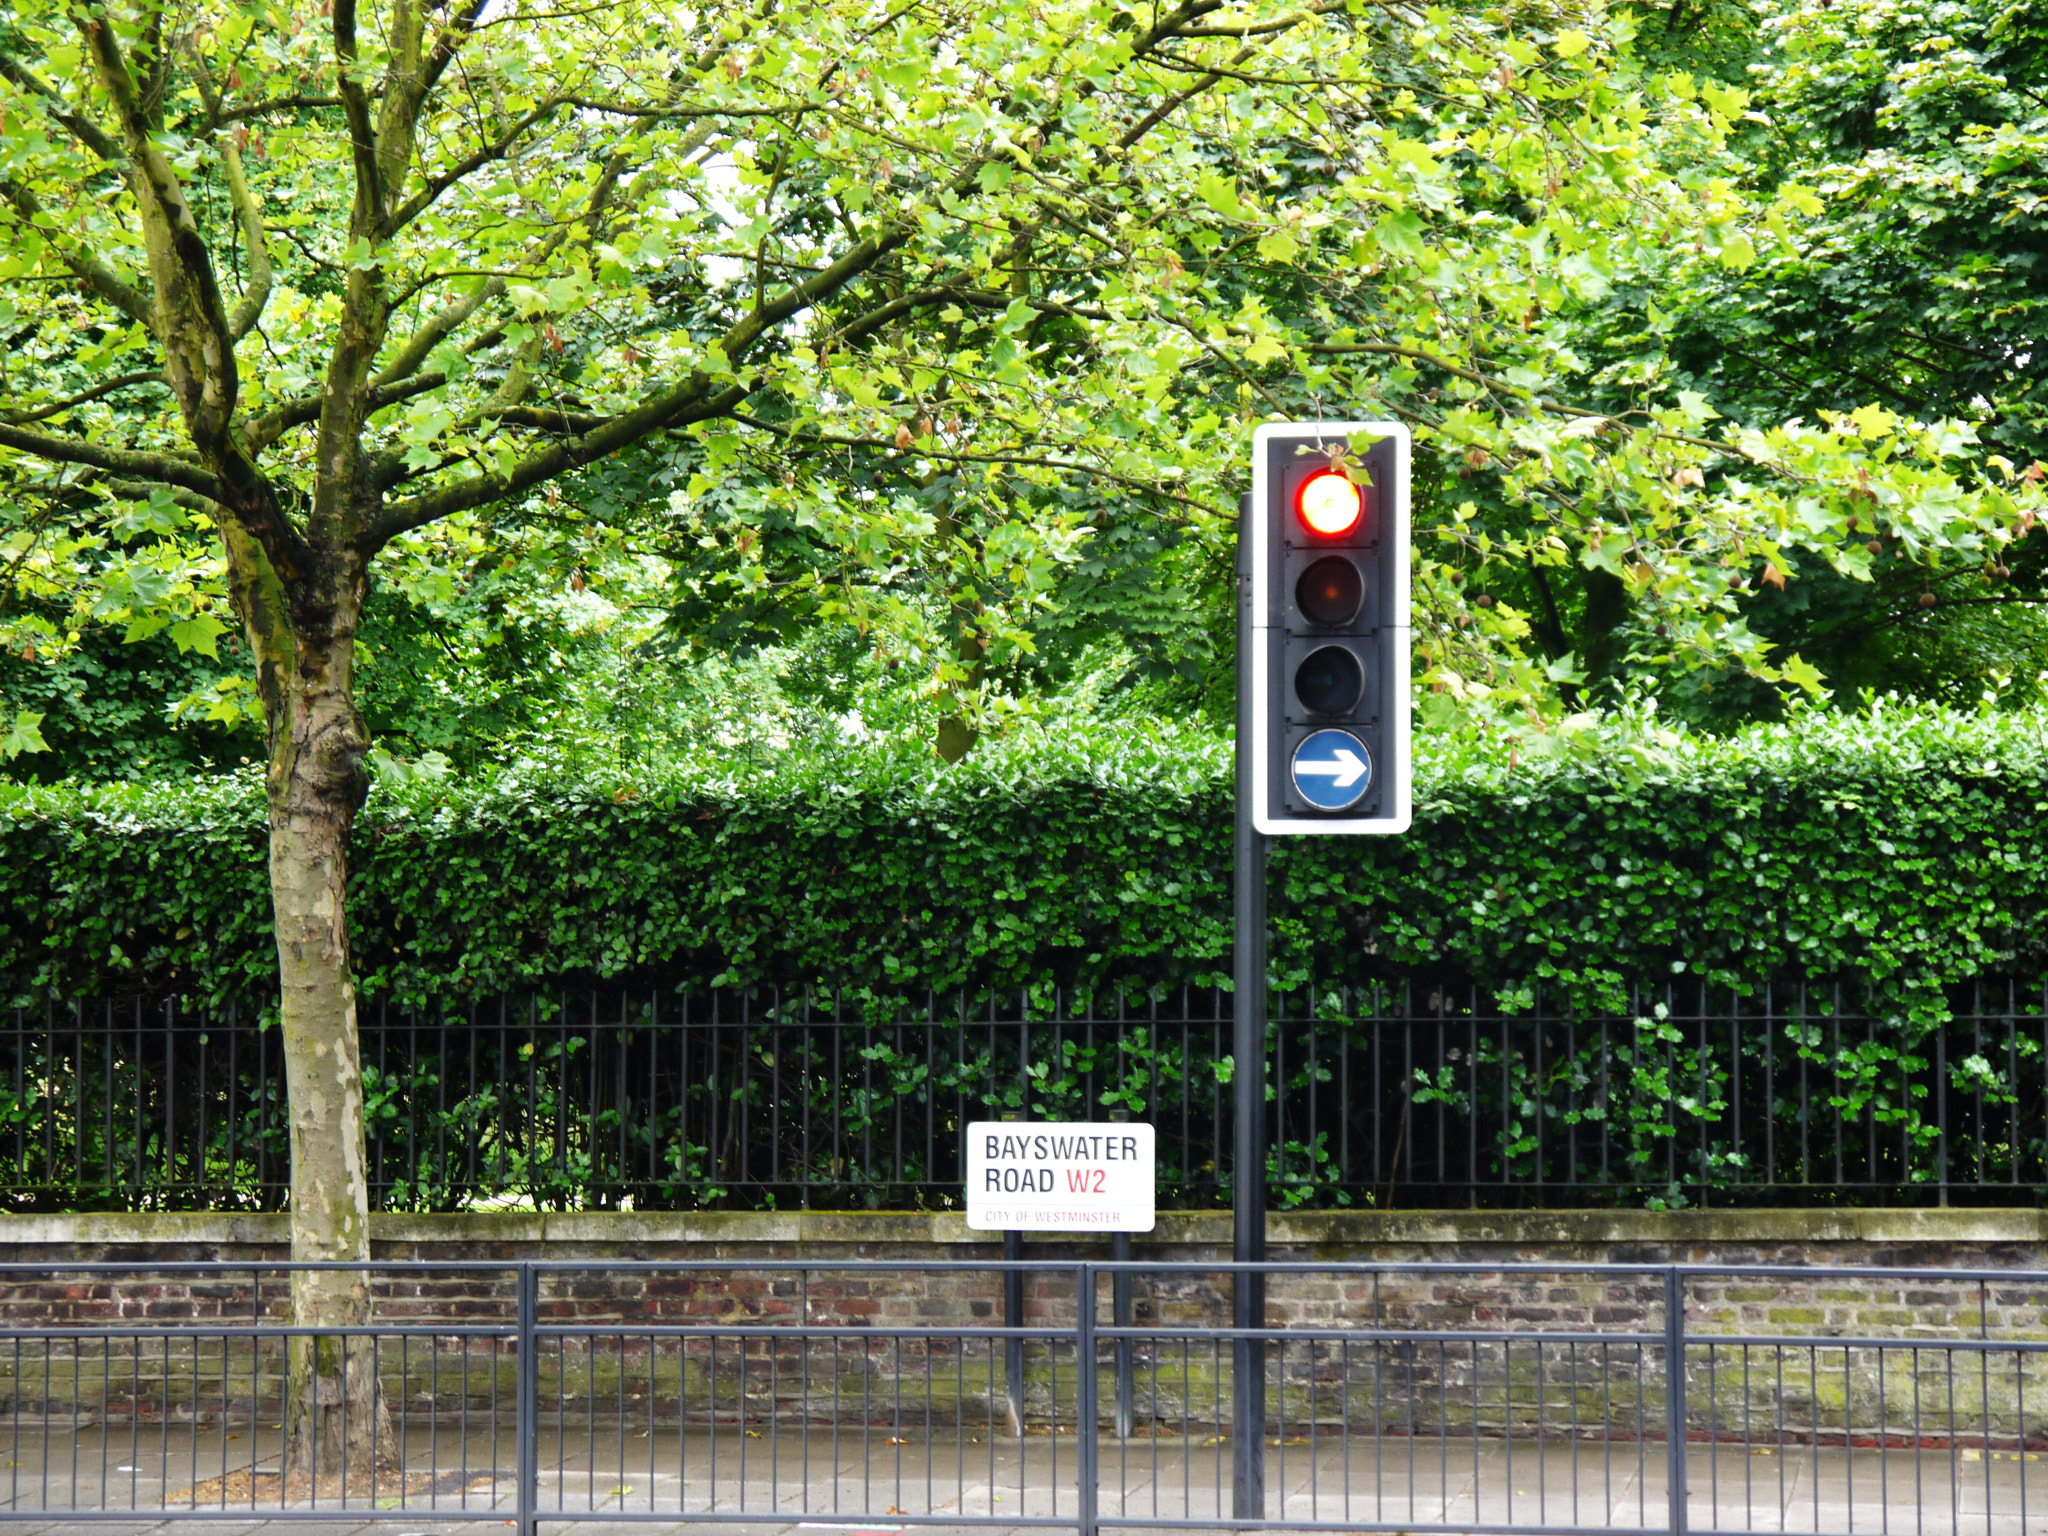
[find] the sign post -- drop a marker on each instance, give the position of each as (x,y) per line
(1060,1176)
(1247,1085)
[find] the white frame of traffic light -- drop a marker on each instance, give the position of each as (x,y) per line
(1392,506)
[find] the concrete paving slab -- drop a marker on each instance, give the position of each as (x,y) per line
(865,1479)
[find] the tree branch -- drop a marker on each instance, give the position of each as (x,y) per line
(801,296)
(692,399)
(1166,109)
(199,351)
(256,293)
(93,274)
(424,199)
(305,410)
(685,403)
(452,37)
(83,128)
(276,104)
(429,336)
(84,397)
(362,138)
(1488,381)
(59,449)
(1263,28)
(199,347)
(191,501)
(685,109)
(547,418)
(1030,461)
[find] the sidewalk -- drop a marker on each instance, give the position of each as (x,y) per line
(853,1480)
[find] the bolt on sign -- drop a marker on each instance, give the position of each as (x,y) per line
(1060,1176)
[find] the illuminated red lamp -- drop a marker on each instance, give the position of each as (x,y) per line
(1329,504)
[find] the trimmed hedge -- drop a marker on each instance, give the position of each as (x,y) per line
(1904,849)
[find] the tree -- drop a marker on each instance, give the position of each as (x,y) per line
(314,290)
(1902,150)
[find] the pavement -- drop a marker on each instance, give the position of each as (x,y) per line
(610,1479)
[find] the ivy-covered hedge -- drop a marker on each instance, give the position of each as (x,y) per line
(1905,849)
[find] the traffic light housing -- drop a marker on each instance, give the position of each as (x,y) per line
(1327,615)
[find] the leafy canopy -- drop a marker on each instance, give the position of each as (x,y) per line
(899,312)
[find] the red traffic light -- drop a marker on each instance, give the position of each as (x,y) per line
(1329,504)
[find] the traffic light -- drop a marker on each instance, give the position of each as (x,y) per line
(1328,617)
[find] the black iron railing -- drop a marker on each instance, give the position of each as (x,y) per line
(1389,1097)
(1566,1400)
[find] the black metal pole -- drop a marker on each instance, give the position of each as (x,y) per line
(1087,1427)
(1674,1399)
(1248,1089)
(1013,1250)
(1120,1315)
(1013,1317)
(526,1431)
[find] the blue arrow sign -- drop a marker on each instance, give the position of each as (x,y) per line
(1332,770)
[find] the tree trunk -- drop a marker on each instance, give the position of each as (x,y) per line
(336,1423)
(957,734)
(955,738)
(1606,610)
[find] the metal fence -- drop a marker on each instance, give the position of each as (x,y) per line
(1387,1097)
(1610,1399)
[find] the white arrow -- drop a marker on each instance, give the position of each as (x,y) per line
(1346,768)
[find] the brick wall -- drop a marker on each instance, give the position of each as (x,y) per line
(1859,1394)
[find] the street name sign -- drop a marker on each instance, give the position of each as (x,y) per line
(1060,1176)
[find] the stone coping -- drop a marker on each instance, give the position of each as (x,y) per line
(1201,1229)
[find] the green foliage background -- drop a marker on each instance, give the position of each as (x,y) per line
(1902,848)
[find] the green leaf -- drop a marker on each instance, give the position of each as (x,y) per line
(198,633)
(1265,348)
(1803,674)
(23,735)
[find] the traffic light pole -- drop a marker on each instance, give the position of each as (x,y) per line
(1248,1086)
